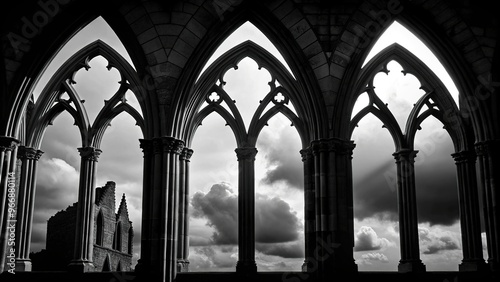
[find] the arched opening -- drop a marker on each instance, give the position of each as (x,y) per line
(246,106)
(93,97)
(58,177)
(213,216)
(96,29)
(107,264)
(100,229)
(402,91)
(398,33)
(121,162)
(130,247)
(117,244)
(279,195)
(437,198)
(246,31)
(376,241)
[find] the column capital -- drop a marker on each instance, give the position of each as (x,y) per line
(487,147)
(172,145)
(186,154)
(8,143)
(89,153)
(464,156)
(28,153)
(146,145)
(246,153)
(167,144)
(337,145)
(306,154)
(405,155)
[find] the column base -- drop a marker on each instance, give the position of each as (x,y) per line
(304,266)
(246,267)
(472,265)
(81,266)
(182,266)
(494,265)
(23,265)
(414,266)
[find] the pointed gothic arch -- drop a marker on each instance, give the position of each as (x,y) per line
(443,108)
(440,105)
(118,237)
(99,238)
(208,84)
(279,35)
(60,83)
(107,263)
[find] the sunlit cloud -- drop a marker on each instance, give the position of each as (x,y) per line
(366,239)
(371,258)
(436,240)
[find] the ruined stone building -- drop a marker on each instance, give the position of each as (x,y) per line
(113,235)
(325,44)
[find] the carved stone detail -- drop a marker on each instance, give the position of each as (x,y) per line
(90,153)
(246,153)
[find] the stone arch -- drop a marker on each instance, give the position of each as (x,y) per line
(285,39)
(41,48)
(117,242)
(100,228)
(447,111)
(218,68)
(43,114)
(438,36)
(107,263)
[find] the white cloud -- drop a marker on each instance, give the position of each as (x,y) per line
(366,239)
(213,258)
(436,240)
(370,258)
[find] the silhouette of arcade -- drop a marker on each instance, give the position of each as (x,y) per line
(324,44)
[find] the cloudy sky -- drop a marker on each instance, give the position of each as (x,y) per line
(279,183)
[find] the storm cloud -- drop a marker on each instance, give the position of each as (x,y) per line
(284,250)
(274,219)
(282,152)
(220,207)
(375,193)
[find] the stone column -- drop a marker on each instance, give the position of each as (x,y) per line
(333,251)
(160,208)
(8,159)
(144,262)
(25,203)
(246,210)
(84,233)
(488,153)
(172,148)
(309,209)
(317,263)
(407,205)
(343,185)
(183,240)
(470,222)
